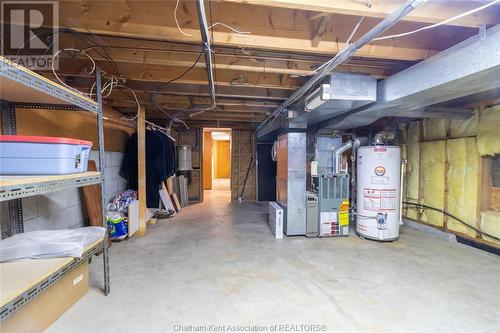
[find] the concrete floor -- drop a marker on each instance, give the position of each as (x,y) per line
(218,263)
(221,184)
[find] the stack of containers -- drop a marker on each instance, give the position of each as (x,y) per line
(42,155)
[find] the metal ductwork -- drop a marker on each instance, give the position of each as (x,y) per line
(339,58)
(337,154)
(466,69)
(340,93)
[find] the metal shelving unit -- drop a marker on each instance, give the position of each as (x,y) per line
(19,87)
(22,187)
(26,293)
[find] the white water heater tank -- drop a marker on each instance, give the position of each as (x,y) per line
(378,192)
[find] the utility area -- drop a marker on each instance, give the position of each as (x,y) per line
(250,166)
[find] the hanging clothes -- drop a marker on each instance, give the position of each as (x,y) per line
(169,146)
(156,166)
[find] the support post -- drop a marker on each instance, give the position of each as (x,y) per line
(100,136)
(141,169)
(13,208)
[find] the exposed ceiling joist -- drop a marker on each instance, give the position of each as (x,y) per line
(320,31)
(130,106)
(131,50)
(164,74)
(182,102)
(194,90)
(232,63)
(431,12)
(272,29)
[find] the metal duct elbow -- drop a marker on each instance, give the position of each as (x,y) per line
(337,153)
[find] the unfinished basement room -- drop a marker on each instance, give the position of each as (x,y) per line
(249,166)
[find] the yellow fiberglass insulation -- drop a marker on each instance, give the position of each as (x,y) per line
(412,147)
(490,224)
(463,164)
(460,128)
(434,129)
(488,138)
(432,155)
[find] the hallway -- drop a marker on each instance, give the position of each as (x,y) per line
(219,263)
(221,184)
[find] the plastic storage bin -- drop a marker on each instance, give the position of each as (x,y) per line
(42,155)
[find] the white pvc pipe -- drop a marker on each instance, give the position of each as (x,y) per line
(401,193)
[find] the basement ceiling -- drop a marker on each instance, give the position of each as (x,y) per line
(278,43)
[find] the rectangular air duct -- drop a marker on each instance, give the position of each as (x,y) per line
(342,92)
(291,182)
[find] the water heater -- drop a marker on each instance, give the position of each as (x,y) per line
(378,192)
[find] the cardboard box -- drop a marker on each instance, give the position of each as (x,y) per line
(40,313)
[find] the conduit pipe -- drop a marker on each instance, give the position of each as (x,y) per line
(346,53)
(202,18)
(337,154)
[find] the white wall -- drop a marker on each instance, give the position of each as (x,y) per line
(66,209)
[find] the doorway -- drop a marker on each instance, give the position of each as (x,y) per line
(217,163)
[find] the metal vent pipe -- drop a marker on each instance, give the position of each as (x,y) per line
(337,153)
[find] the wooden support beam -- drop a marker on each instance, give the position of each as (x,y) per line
(131,105)
(270,28)
(221,123)
(137,51)
(163,74)
(233,64)
(141,176)
(320,30)
(427,13)
(195,90)
(233,116)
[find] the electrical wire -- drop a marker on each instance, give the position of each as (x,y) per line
(174,118)
(136,100)
(177,22)
(229,27)
(210,27)
(354,30)
(444,212)
(113,80)
(59,79)
(323,69)
(164,85)
(37,35)
(439,23)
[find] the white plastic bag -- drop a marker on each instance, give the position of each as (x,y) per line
(49,243)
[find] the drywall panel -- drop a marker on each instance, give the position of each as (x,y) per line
(434,129)
(433,155)
(488,138)
(462,178)
(490,224)
(412,167)
(460,128)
